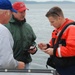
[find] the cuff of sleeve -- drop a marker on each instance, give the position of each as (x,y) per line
(17,64)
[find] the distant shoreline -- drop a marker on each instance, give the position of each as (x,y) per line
(48,2)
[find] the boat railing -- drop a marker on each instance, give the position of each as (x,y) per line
(30,71)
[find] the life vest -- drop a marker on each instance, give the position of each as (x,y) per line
(53,60)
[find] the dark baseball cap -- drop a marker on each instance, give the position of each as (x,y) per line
(6,5)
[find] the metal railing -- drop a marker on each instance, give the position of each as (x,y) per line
(48,71)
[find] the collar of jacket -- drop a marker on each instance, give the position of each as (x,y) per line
(14,20)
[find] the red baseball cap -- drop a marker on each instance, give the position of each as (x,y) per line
(19,6)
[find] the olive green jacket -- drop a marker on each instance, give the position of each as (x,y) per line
(24,37)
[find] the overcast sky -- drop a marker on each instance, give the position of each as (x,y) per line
(50,0)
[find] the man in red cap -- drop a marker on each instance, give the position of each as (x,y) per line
(23,35)
(20,6)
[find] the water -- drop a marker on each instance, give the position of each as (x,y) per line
(41,26)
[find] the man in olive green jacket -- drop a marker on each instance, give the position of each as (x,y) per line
(23,35)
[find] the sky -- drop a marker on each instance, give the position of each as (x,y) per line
(50,0)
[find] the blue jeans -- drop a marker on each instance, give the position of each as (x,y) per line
(66,71)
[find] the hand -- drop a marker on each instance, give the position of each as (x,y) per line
(21,65)
(42,46)
(32,49)
(49,51)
